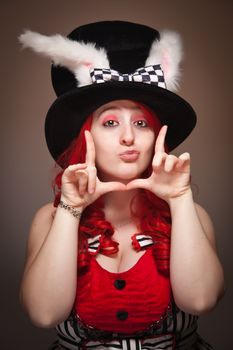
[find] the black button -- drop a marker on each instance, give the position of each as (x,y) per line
(122,315)
(119,284)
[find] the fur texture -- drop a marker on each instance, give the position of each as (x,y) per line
(77,57)
(168,52)
(80,57)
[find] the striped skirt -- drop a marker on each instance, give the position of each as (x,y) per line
(178,331)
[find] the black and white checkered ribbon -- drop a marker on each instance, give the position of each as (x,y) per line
(150,75)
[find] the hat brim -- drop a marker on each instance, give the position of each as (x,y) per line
(69,111)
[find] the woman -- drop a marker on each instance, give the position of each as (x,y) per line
(123,204)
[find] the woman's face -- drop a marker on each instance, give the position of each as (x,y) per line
(124,141)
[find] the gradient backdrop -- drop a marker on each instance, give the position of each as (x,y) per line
(27,168)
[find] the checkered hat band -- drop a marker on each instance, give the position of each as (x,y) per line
(149,75)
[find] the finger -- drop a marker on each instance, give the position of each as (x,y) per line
(170,163)
(91,179)
(82,178)
(158,160)
(106,187)
(74,167)
(160,141)
(69,172)
(185,156)
(184,162)
(90,153)
(138,183)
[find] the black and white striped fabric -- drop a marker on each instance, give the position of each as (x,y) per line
(93,244)
(143,241)
(150,75)
(178,332)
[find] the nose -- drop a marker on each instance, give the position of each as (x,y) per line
(127,135)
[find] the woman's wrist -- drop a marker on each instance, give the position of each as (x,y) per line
(173,201)
(78,206)
(72,210)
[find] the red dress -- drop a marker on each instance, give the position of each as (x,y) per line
(124,302)
(127,311)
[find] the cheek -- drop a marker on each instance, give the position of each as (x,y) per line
(99,151)
(148,144)
(103,150)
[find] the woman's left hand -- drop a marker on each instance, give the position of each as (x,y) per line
(170,176)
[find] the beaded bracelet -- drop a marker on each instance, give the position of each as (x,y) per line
(75,212)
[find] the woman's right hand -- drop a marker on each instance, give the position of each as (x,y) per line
(80,184)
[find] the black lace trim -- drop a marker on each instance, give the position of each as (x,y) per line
(91,333)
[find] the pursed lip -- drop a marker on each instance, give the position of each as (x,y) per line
(129,155)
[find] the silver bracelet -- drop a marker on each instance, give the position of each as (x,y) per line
(75,212)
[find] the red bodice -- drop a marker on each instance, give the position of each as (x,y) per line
(125,302)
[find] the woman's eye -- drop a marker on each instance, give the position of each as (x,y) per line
(141,123)
(110,123)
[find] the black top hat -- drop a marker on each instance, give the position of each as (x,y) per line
(112,60)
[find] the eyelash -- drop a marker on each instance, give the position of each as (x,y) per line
(144,122)
(114,123)
(107,123)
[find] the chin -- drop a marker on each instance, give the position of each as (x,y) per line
(122,177)
(123,173)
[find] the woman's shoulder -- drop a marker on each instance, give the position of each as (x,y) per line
(206,223)
(40,227)
(43,216)
(203,215)
(41,223)
(46,212)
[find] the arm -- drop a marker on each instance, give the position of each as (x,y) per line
(196,274)
(49,280)
(48,286)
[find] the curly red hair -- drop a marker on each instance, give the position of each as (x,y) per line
(152,212)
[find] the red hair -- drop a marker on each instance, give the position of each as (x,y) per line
(153,213)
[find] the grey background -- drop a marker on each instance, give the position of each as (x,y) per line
(27,168)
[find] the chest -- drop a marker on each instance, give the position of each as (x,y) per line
(126,257)
(124,301)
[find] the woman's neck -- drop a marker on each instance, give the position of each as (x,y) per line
(117,205)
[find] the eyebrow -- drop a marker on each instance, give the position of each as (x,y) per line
(114,107)
(106,108)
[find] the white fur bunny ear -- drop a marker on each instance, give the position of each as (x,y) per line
(77,57)
(168,52)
